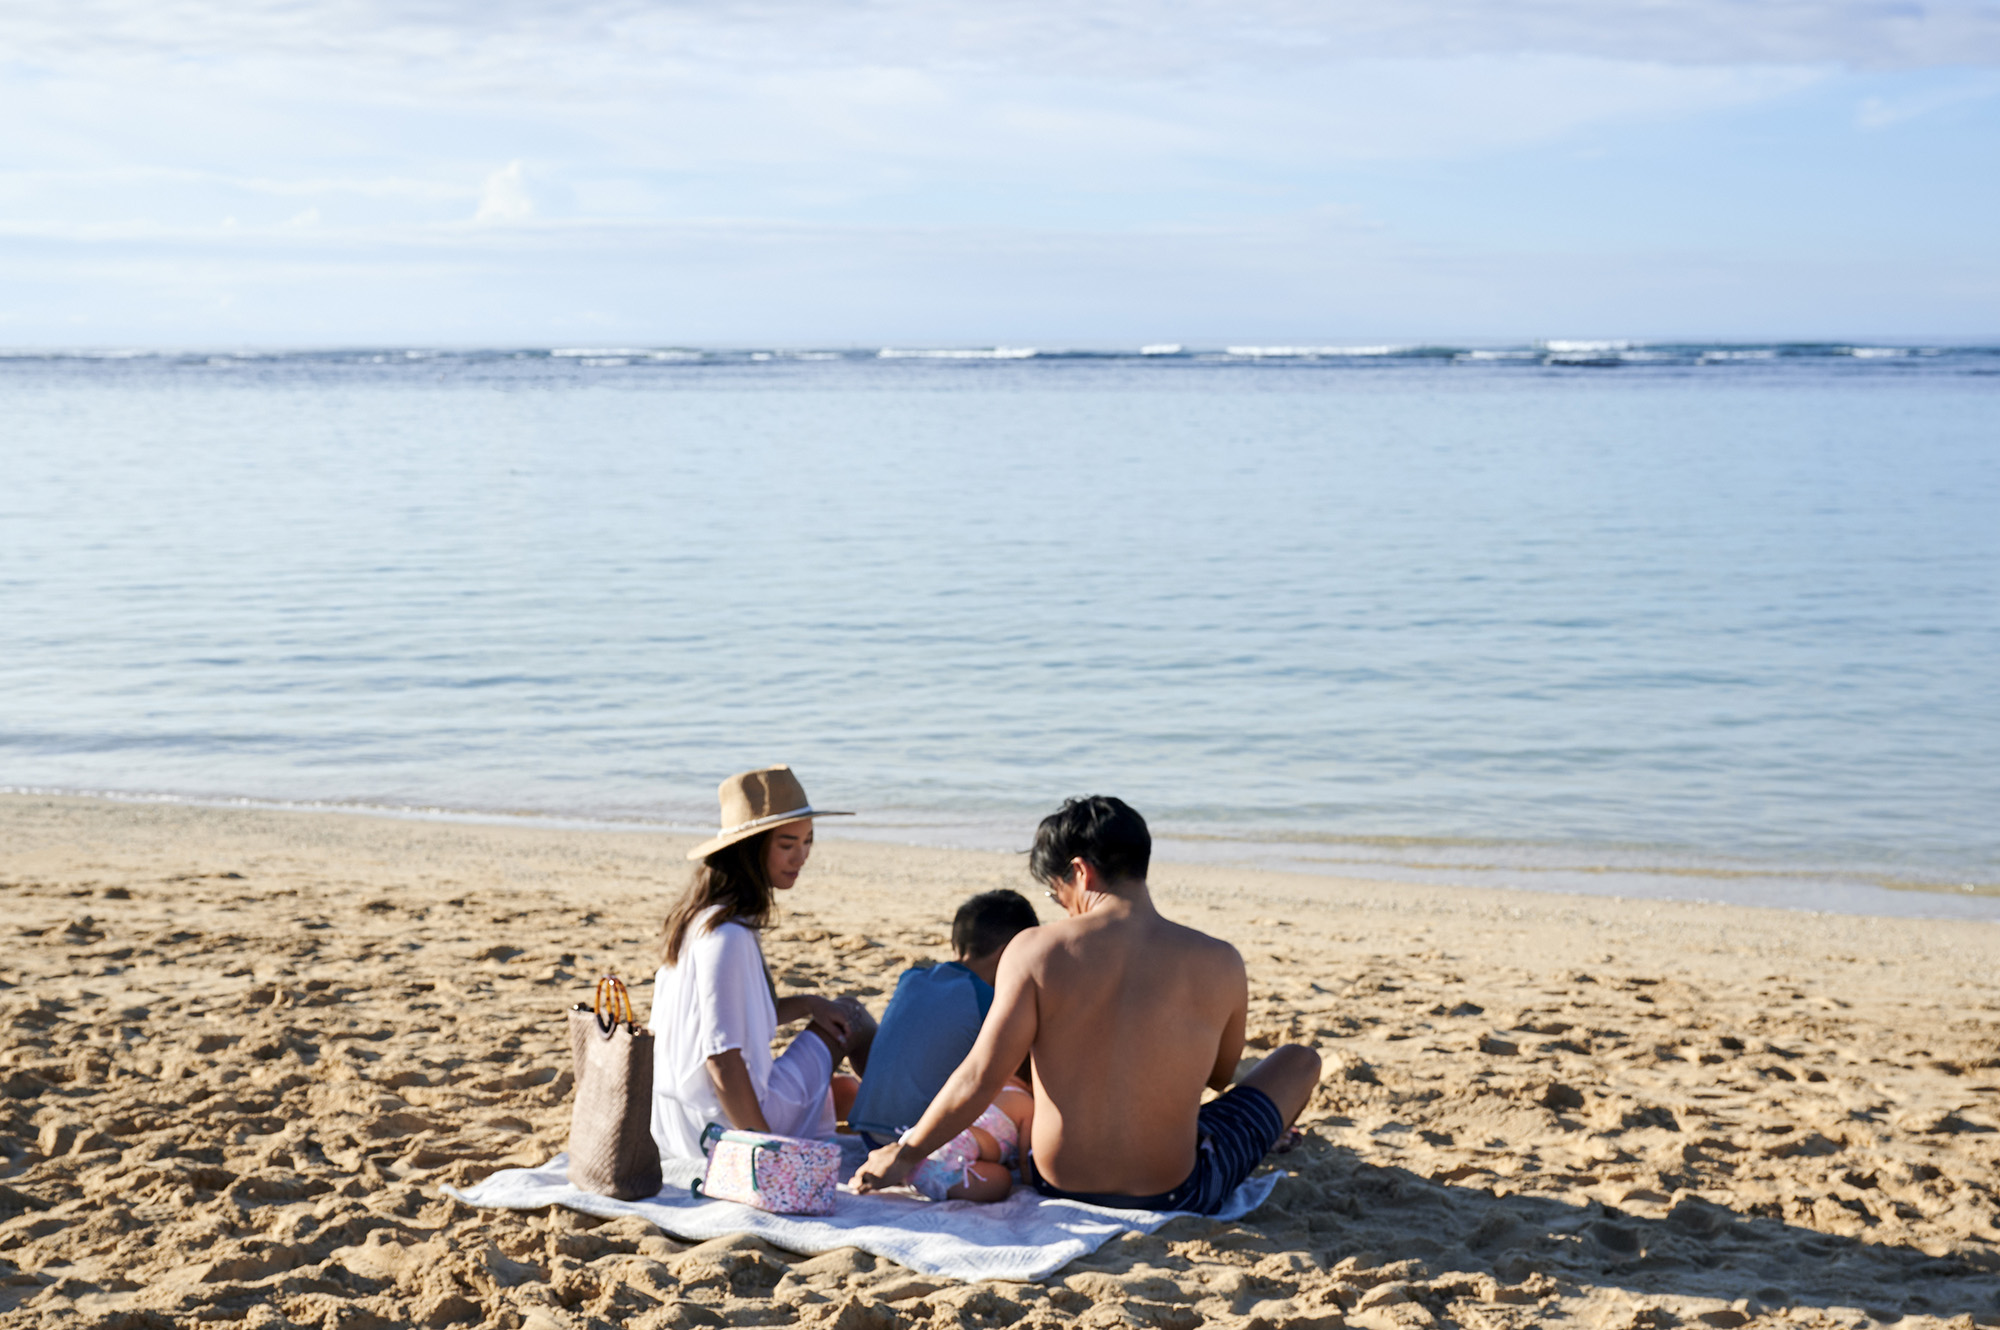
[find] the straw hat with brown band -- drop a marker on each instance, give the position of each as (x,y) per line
(753,801)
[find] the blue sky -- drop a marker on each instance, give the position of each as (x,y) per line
(312,172)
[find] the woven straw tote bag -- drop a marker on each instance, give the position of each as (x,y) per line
(611,1150)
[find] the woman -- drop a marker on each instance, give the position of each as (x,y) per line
(715,1009)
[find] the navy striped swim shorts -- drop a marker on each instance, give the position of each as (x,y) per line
(1238,1129)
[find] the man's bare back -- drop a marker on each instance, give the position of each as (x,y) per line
(1137,1015)
(1128,1016)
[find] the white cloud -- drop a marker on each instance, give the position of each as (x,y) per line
(811,155)
(505,197)
(787,142)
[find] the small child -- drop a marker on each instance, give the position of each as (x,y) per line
(930,1026)
(978,1163)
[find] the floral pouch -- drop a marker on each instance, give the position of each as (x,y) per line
(782,1174)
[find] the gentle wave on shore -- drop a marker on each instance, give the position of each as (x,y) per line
(1632,872)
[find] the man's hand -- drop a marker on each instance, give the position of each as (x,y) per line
(889,1166)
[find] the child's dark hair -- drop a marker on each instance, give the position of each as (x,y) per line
(1102,831)
(989,921)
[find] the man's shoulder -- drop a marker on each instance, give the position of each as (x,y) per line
(1083,935)
(1031,948)
(1207,946)
(1196,938)
(1043,937)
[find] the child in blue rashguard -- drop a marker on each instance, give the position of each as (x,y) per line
(934,1017)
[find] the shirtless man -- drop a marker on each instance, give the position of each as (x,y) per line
(1128,1015)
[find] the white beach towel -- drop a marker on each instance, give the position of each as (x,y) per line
(1028,1236)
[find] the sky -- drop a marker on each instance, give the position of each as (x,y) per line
(1037,173)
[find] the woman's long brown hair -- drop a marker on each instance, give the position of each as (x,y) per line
(735,878)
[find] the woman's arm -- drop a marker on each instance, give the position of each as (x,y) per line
(731,1078)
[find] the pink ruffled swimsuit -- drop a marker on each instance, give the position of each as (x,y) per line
(951,1163)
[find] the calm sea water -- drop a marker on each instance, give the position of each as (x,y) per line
(1703,622)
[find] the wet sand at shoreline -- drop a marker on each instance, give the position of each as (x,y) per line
(244,1048)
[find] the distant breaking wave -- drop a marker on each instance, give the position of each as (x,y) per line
(1553,353)
(949,353)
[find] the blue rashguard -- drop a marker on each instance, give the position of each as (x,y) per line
(928,1029)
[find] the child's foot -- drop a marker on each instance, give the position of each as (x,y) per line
(1289,1140)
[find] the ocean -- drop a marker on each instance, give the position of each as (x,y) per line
(1687,621)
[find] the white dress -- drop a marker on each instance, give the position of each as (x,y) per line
(717,998)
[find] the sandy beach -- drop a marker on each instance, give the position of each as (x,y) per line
(243,1050)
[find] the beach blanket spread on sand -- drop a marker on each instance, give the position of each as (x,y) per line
(1028,1236)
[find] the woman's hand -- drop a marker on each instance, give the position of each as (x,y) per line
(830,1016)
(842,1024)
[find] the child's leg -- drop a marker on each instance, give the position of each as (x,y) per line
(984,1181)
(845,1088)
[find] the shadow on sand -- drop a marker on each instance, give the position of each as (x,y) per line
(1385,1236)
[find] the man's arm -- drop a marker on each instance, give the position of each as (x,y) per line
(1229,1049)
(1003,1043)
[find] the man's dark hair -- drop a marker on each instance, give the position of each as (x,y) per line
(1102,831)
(989,921)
